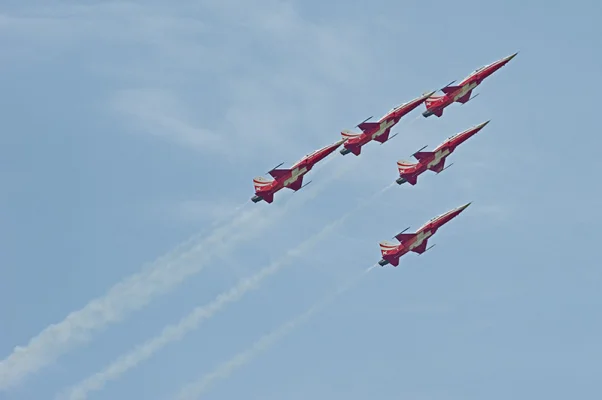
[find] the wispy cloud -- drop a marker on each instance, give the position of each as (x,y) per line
(160,113)
(223,371)
(176,54)
(307,59)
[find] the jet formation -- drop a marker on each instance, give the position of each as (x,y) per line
(380,131)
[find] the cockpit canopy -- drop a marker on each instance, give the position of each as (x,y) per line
(475,71)
(396,108)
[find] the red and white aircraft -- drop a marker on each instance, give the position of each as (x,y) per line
(433,160)
(291,178)
(461,93)
(416,241)
(380,130)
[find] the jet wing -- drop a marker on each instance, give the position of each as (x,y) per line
(438,167)
(404,237)
(365,126)
(450,89)
(420,248)
(384,137)
(465,98)
(296,185)
(422,155)
(279,173)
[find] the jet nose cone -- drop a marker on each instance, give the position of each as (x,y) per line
(483,124)
(462,208)
(511,57)
(426,95)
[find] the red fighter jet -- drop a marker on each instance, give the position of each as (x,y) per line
(433,160)
(380,130)
(291,178)
(416,241)
(461,93)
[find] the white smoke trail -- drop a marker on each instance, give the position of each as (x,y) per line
(413,121)
(230,214)
(136,291)
(198,315)
(126,296)
(196,389)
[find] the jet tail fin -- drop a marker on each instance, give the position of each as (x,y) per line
(347,134)
(405,167)
(407,172)
(350,147)
(430,100)
(260,183)
(385,246)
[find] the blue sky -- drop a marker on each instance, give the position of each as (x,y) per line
(129,127)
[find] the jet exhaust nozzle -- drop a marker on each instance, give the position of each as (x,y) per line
(345,151)
(383,262)
(256,199)
(400,181)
